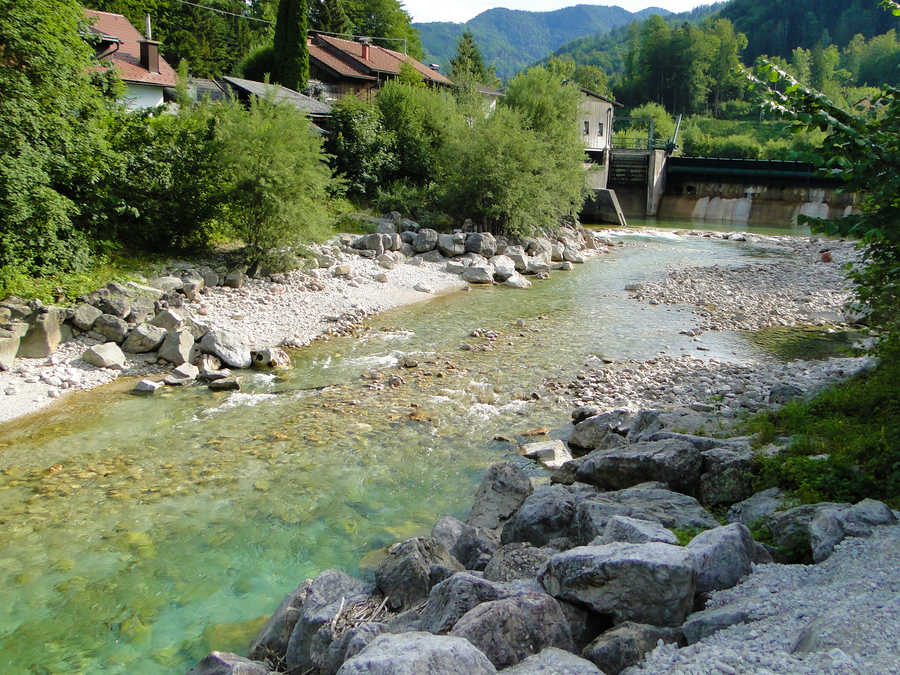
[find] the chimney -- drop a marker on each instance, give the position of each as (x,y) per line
(149,49)
(365,48)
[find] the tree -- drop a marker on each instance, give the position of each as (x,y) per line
(385,19)
(277,183)
(329,16)
(52,147)
(362,150)
(467,63)
(290,66)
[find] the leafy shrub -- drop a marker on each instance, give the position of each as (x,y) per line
(361,149)
(663,124)
(258,64)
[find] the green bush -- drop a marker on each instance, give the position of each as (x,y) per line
(361,149)
(738,146)
(258,64)
(663,124)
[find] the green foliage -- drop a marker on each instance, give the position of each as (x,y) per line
(277,183)
(663,124)
(685,534)
(290,64)
(388,19)
(52,145)
(258,64)
(856,427)
(362,150)
(329,16)
(467,63)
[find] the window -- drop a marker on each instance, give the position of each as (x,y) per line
(600,129)
(587,128)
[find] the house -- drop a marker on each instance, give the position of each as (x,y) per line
(348,68)
(596,126)
(141,68)
(317,111)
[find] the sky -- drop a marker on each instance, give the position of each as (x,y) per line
(423,11)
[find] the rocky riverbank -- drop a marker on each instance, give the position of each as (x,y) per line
(155,329)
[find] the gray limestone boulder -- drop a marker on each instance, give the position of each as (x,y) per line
(648,583)
(228,347)
(516,280)
(455,267)
(552,454)
(115,304)
(511,629)
(418,653)
(518,256)
(271,358)
(111,327)
(370,242)
(43,336)
(168,319)
(227,663)
(147,387)
(143,309)
(572,255)
(504,267)
(475,547)
(272,640)
(433,256)
(702,624)
(426,240)
(166,284)
(447,531)
(452,245)
(536,266)
(177,347)
(670,461)
(502,491)
(410,569)
(9,347)
(516,561)
(634,531)
(723,556)
(791,531)
(453,597)
(329,593)
(106,355)
(143,338)
(831,525)
(479,274)
(757,508)
(727,476)
(348,645)
(84,316)
(782,393)
(482,243)
(603,431)
(553,661)
(544,516)
(626,644)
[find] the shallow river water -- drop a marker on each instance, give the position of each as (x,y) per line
(140,533)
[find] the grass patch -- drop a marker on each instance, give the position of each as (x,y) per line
(685,534)
(846,441)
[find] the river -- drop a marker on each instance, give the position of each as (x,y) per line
(140,533)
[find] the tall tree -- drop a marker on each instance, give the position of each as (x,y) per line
(468,61)
(385,19)
(290,66)
(329,16)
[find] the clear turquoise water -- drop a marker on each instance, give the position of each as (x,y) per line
(139,534)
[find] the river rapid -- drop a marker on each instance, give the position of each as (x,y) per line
(138,534)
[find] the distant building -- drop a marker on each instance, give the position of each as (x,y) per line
(137,60)
(596,126)
(347,68)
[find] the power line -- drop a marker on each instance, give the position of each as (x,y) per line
(222,11)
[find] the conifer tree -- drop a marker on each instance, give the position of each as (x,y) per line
(329,16)
(290,66)
(468,62)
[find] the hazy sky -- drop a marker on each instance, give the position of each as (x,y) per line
(463,10)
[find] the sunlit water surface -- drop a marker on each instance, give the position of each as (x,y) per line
(140,533)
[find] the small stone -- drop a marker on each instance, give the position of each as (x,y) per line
(226,384)
(146,387)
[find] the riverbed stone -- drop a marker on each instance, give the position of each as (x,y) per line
(756,508)
(791,531)
(43,336)
(502,490)
(84,316)
(475,547)
(177,347)
(348,645)
(479,274)
(143,308)
(511,629)
(648,583)
(111,327)
(553,661)
(449,600)
(228,383)
(106,355)
(271,358)
(416,653)
(516,280)
(517,255)
(517,560)
(227,663)
(504,267)
(452,245)
(700,625)
(544,516)
(410,569)
(670,461)
(482,243)
(426,240)
(634,531)
(831,525)
(9,347)
(782,393)
(115,304)
(330,592)
(447,531)
(603,431)
(228,347)
(143,338)
(723,556)
(727,476)
(147,387)
(168,319)
(626,644)
(167,284)
(552,454)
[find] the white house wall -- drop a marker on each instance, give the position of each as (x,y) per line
(595,113)
(139,96)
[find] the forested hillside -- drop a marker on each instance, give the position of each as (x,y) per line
(511,40)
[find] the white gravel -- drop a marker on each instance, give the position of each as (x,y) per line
(840,616)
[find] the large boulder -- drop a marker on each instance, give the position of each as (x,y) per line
(115,304)
(670,461)
(518,256)
(727,476)
(723,556)
(168,319)
(227,663)
(177,347)
(830,525)
(504,267)
(479,274)
(634,531)
(452,245)
(426,240)
(552,454)
(329,593)
(482,243)
(649,583)
(349,644)
(144,338)
(271,358)
(272,640)
(228,347)
(106,355)
(791,531)
(625,645)
(516,561)
(475,547)
(757,508)
(43,336)
(84,316)
(553,661)
(143,308)
(9,347)
(511,629)
(702,624)
(453,597)
(410,569)
(417,653)
(166,284)
(502,491)
(546,515)
(111,327)
(370,242)
(447,531)
(603,431)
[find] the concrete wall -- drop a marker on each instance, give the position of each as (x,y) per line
(751,204)
(138,96)
(656,181)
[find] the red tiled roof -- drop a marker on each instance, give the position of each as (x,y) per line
(127,59)
(380,59)
(335,63)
